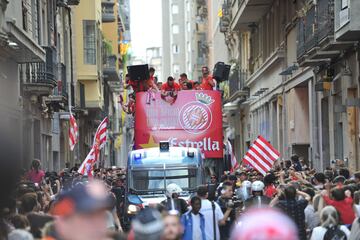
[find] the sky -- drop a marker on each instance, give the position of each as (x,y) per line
(145,25)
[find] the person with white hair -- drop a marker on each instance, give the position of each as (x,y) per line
(330,226)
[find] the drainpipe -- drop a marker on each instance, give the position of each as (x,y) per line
(70,83)
(317,164)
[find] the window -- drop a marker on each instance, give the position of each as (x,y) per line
(188,24)
(89,42)
(175,29)
(175,9)
(189,47)
(176,68)
(176,49)
(24,15)
(155,180)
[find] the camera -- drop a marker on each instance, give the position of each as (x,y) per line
(234,203)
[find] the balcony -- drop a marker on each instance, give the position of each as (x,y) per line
(249,11)
(73,2)
(108,14)
(237,87)
(64,3)
(316,44)
(39,78)
(25,49)
(110,72)
(347,20)
(115,87)
(225,19)
(61,91)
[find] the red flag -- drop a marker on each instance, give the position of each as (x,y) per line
(261,155)
(93,156)
(73,132)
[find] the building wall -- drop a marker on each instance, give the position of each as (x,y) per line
(166,44)
(191,39)
(218,51)
(296,117)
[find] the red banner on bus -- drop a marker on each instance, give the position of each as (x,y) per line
(193,120)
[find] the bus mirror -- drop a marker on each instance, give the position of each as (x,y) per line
(190,154)
(164,146)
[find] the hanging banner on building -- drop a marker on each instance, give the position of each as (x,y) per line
(193,120)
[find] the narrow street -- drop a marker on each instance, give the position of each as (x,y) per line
(180,119)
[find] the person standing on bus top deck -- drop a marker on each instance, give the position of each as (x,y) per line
(150,84)
(144,85)
(207,82)
(184,81)
(169,90)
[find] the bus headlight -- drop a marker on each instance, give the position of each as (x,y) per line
(133,209)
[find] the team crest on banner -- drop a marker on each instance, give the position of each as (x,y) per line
(194,120)
(196,117)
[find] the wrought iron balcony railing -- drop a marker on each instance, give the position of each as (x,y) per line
(237,81)
(315,26)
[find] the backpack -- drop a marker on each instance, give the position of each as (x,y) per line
(334,233)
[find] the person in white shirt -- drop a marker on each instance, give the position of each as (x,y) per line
(312,218)
(329,218)
(209,209)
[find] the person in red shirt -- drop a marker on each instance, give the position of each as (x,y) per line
(207,82)
(197,86)
(343,203)
(169,90)
(129,108)
(143,86)
(185,82)
(150,84)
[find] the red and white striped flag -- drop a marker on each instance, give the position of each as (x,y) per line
(261,155)
(88,163)
(73,132)
(234,162)
(93,156)
(101,134)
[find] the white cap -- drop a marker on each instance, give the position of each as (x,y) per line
(173,188)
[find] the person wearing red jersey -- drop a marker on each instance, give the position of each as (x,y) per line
(207,82)
(143,86)
(185,82)
(169,90)
(150,84)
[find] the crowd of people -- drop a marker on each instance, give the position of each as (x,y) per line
(168,89)
(291,202)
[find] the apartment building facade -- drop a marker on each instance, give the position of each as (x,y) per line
(36,76)
(184,46)
(54,58)
(297,77)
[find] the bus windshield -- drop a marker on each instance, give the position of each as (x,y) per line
(157,180)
